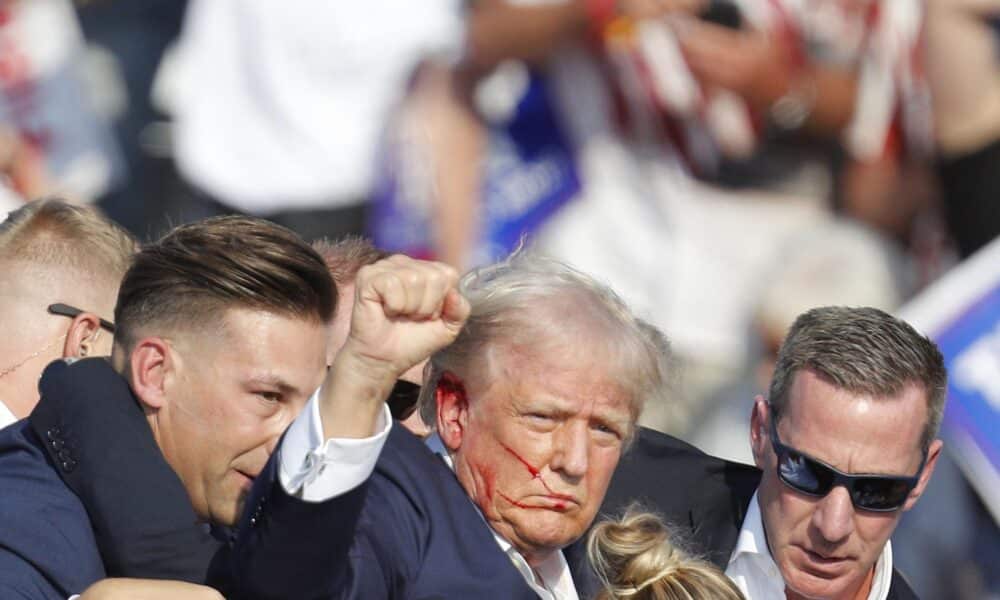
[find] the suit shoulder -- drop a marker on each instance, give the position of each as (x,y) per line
(45,524)
(658,457)
(900,588)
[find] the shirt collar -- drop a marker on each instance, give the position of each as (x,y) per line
(6,417)
(552,579)
(751,559)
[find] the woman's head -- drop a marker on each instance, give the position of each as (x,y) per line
(635,559)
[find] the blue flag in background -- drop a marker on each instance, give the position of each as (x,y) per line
(528,175)
(961,312)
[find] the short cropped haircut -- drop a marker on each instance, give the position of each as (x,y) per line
(535,304)
(345,257)
(53,232)
(862,351)
(637,558)
(197,272)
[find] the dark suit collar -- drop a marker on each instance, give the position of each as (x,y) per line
(98,440)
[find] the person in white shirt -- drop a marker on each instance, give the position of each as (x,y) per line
(60,267)
(847,442)
(299,97)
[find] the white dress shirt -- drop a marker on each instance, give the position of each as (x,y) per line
(753,568)
(315,469)
(6,417)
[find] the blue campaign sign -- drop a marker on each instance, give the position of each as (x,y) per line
(962,314)
(528,173)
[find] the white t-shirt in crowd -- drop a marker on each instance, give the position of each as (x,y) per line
(281,105)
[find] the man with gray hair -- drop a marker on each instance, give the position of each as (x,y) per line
(534,403)
(60,268)
(846,442)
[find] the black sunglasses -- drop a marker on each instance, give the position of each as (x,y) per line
(812,477)
(65,310)
(402,399)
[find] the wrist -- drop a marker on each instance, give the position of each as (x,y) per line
(353,394)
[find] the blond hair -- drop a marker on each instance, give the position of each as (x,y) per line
(53,232)
(635,559)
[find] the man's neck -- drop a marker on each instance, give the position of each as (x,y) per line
(19,397)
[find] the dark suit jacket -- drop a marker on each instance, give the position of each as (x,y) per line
(47,548)
(703,498)
(410,531)
(88,439)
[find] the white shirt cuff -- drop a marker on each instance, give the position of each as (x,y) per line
(317,470)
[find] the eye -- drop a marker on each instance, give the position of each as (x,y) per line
(605,430)
(269,396)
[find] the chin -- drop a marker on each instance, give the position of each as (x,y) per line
(555,538)
(817,588)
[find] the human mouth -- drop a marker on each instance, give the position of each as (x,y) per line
(825,564)
(556,502)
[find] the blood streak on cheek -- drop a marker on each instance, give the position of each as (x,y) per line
(535,474)
(514,502)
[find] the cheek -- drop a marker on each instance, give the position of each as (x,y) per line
(874,529)
(603,462)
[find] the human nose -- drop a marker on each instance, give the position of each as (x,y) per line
(571,450)
(834,517)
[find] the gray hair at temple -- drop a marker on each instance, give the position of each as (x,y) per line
(862,351)
(533,305)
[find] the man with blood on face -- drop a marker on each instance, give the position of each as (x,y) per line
(534,402)
(535,441)
(537,400)
(861,393)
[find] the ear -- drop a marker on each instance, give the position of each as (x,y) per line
(759,435)
(150,364)
(452,410)
(82,336)
(933,452)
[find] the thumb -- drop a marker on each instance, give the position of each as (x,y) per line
(455,310)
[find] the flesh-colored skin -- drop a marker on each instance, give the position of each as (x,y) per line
(535,451)
(824,547)
(217,404)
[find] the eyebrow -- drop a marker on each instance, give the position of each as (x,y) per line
(273,380)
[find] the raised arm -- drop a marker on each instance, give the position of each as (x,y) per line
(299,529)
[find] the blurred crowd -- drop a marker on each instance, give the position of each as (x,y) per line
(723,164)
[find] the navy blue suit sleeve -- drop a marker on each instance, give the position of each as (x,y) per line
(19,579)
(289,548)
(364,544)
(46,544)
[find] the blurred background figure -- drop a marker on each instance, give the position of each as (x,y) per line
(55,107)
(279,108)
(669,148)
(963,67)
